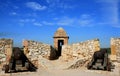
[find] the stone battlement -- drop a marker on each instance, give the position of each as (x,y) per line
(80,50)
(37,49)
(5,49)
(115,48)
(79,53)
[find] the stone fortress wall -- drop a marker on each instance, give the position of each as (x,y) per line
(80,53)
(37,49)
(80,50)
(83,50)
(5,49)
(115,48)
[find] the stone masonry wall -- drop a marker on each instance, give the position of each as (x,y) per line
(5,49)
(37,49)
(81,51)
(115,48)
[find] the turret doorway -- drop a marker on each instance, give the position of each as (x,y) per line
(60,43)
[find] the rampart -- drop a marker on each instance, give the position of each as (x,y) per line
(82,51)
(115,48)
(36,49)
(5,49)
(77,53)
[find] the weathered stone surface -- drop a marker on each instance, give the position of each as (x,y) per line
(115,48)
(78,63)
(37,49)
(5,49)
(80,51)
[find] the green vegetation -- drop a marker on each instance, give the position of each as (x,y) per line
(108,50)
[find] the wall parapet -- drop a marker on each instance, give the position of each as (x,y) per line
(115,48)
(80,50)
(6,46)
(37,49)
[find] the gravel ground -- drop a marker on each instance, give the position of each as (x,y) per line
(70,72)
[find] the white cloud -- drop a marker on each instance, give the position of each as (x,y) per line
(13,13)
(23,22)
(66,21)
(15,7)
(84,20)
(110,11)
(26,20)
(117,26)
(48,23)
(48,1)
(66,6)
(63,21)
(85,16)
(35,6)
(34,14)
(60,4)
(37,24)
(110,1)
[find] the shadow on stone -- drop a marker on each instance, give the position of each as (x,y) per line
(19,60)
(53,54)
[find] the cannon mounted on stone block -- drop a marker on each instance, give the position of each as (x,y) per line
(100,61)
(18,61)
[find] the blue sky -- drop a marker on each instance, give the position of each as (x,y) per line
(39,19)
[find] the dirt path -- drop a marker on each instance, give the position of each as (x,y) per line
(55,70)
(71,72)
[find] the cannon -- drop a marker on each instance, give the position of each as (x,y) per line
(18,61)
(100,61)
